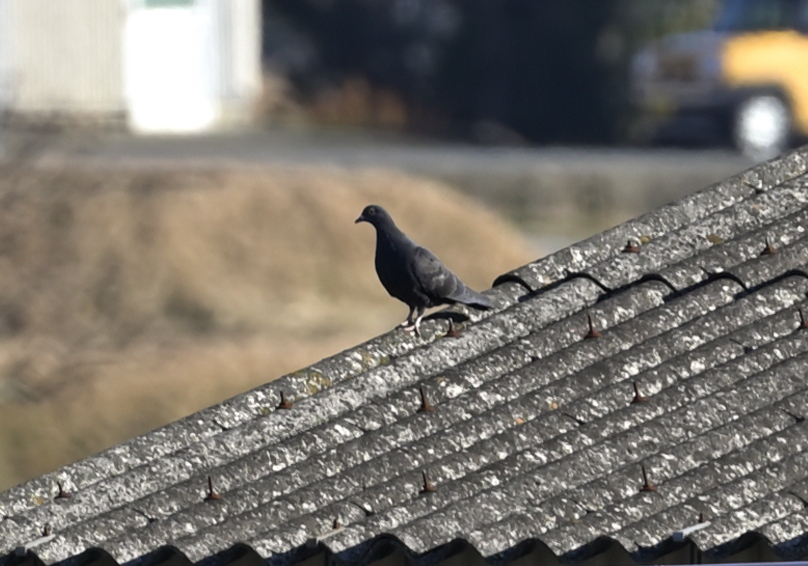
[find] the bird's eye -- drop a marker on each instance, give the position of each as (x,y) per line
(372,210)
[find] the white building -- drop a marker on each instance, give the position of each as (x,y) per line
(162,65)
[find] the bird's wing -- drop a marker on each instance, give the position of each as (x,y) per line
(432,277)
(439,284)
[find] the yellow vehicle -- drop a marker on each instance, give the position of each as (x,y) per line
(748,75)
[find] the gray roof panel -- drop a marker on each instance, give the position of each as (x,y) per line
(693,369)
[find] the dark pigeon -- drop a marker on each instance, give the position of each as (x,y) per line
(413,274)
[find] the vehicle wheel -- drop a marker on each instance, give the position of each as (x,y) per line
(762,126)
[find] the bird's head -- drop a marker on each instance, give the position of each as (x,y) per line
(374,214)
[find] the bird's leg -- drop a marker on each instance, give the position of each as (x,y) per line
(418,321)
(408,323)
(411,325)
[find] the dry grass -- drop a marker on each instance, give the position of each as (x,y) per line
(131,298)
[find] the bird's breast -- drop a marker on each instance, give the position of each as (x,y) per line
(393,271)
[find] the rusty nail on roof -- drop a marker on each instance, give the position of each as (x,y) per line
(336,525)
(632,247)
(638,397)
(285,403)
(365,508)
(426,406)
(803,320)
(769,249)
(62,493)
(453,332)
(647,485)
(593,333)
(429,487)
(212,495)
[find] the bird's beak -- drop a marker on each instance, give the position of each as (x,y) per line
(360,219)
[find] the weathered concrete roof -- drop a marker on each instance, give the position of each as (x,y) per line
(538,438)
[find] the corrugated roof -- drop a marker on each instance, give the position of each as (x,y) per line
(543,425)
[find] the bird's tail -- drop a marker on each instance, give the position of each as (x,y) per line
(470,297)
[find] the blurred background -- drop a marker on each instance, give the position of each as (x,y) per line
(179,178)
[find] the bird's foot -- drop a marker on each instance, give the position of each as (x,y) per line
(414,329)
(410,326)
(413,320)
